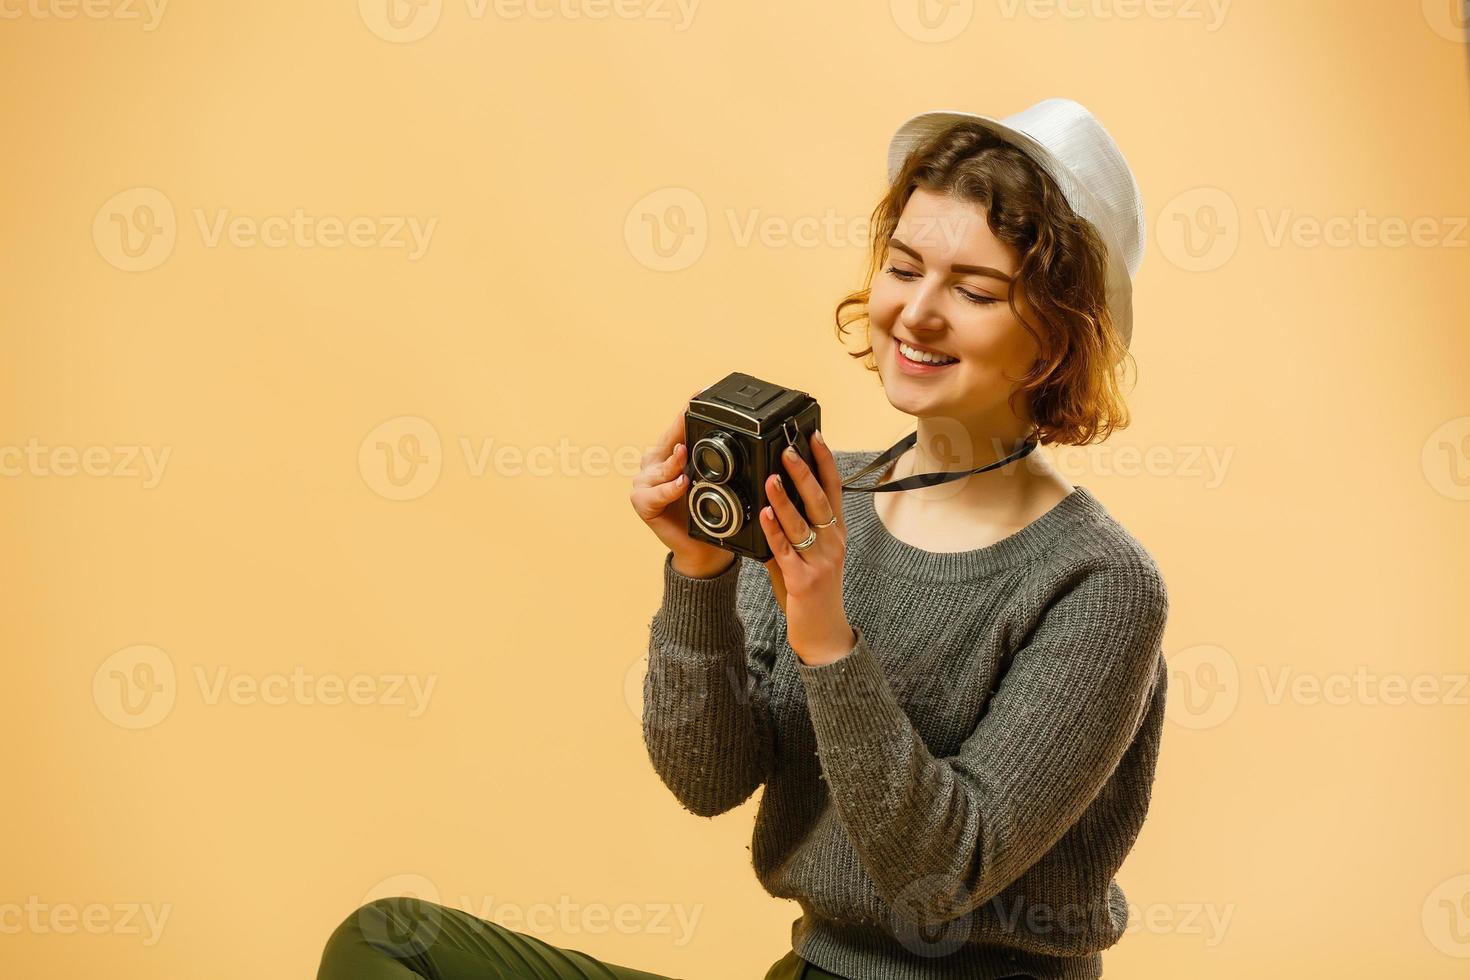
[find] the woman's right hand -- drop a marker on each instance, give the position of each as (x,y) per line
(660,497)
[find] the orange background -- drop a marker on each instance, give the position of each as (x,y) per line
(590,182)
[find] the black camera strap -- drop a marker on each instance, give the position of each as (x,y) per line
(922,479)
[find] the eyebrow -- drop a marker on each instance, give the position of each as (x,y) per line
(979,270)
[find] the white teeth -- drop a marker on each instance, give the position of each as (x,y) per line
(918,355)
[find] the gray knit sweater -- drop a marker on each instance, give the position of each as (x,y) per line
(953,797)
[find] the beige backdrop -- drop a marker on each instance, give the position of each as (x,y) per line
(333,331)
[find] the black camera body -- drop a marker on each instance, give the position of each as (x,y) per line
(736,430)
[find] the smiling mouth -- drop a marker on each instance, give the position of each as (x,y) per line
(916,356)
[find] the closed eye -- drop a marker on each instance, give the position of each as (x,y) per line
(908,276)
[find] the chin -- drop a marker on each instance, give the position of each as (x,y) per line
(909,398)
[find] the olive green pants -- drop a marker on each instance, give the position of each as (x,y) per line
(408,938)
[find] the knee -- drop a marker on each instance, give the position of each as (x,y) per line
(403,908)
(400,926)
(400,921)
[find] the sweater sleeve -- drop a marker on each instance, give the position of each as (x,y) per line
(706,718)
(942,836)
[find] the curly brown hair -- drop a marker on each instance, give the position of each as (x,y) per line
(1074,384)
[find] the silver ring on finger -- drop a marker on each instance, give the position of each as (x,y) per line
(811,539)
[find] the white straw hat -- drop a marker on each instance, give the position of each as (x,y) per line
(1067,140)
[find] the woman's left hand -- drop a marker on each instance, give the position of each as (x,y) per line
(808,584)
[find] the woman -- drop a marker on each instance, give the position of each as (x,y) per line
(952,696)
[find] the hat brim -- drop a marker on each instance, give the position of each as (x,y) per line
(917,130)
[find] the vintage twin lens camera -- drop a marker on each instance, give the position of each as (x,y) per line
(736,430)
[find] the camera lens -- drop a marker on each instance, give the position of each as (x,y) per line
(716,510)
(714,457)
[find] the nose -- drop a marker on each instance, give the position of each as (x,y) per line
(921,313)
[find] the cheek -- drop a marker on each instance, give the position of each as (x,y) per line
(884,305)
(999,339)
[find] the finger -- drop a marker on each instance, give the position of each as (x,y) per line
(650,501)
(812,494)
(782,553)
(831,478)
(793,525)
(653,474)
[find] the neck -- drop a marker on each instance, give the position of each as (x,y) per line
(947,445)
